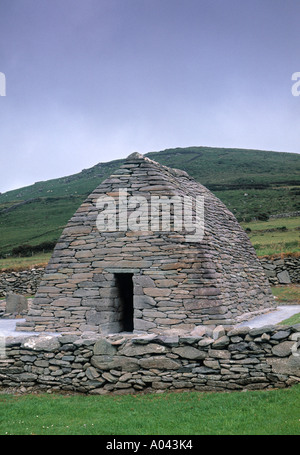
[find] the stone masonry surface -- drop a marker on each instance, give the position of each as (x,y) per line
(23,282)
(284,270)
(223,358)
(176,284)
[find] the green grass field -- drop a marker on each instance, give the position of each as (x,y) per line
(292,320)
(269,412)
(22,263)
(274,236)
(34,223)
(287,294)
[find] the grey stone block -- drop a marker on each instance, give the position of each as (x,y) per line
(284,277)
(16,303)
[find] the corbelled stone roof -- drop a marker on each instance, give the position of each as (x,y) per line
(179,280)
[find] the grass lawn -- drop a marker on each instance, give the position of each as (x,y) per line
(276,223)
(287,294)
(295,319)
(21,263)
(268,412)
(274,236)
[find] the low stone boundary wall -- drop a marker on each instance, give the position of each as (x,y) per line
(282,270)
(221,359)
(21,282)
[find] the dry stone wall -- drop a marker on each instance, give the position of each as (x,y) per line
(278,271)
(23,282)
(284,270)
(220,359)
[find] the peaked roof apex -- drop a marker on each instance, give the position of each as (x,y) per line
(135,156)
(177,172)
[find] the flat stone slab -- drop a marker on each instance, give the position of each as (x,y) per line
(16,303)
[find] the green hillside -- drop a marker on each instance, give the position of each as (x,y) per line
(220,168)
(252,183)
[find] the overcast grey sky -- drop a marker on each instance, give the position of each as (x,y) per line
(94,80)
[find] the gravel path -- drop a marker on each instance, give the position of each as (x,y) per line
(274,317)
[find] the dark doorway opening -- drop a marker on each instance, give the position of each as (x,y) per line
(124,284)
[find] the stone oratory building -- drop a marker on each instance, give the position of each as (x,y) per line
(121,265)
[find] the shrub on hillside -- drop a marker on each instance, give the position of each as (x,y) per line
(29,250)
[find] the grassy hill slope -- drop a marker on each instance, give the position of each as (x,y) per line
(251,183)
(220,168)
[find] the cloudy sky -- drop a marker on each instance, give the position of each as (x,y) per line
(89,81)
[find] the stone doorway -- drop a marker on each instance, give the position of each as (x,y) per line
(124,285)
